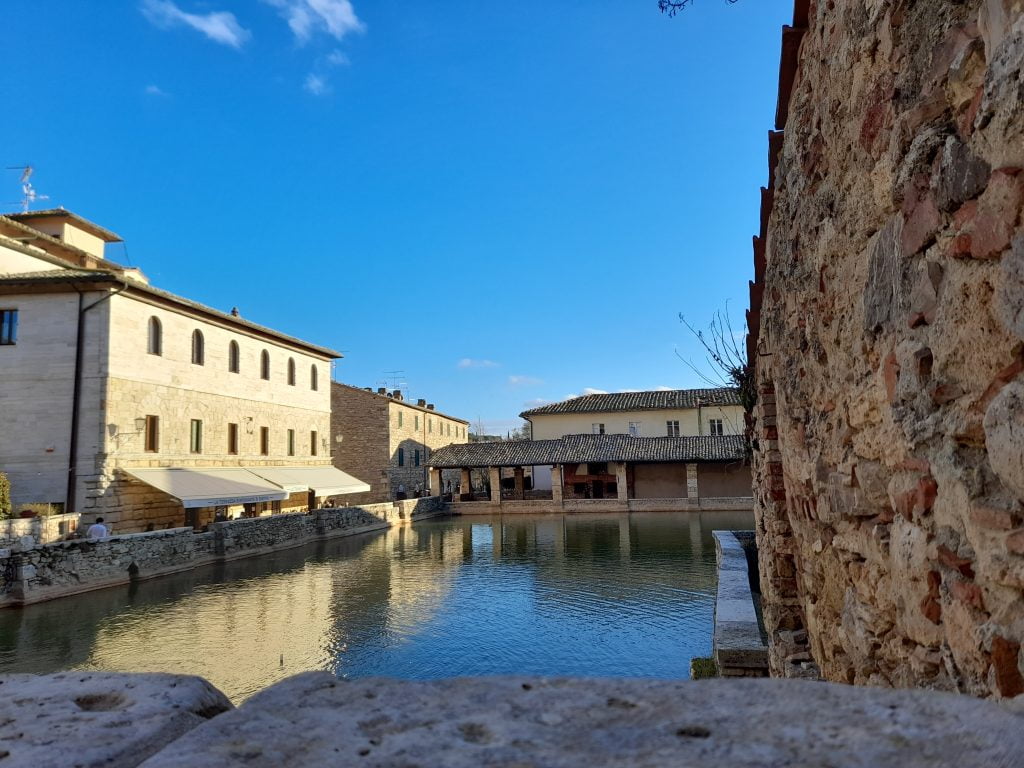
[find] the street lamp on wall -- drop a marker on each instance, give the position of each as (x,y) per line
(140,424)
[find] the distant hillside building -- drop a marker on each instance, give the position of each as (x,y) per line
(123,400)
(387,442)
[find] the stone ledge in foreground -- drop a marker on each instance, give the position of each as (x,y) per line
(315,719)
(98,719)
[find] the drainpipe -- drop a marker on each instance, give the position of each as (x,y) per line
(69,498)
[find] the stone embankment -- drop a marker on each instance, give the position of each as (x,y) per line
(313,719)
(887,322)
(49,571)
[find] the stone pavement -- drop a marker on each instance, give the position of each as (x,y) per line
(313,719)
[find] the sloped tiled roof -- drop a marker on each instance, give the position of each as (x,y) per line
(640,401)
(576,449)
(50,276)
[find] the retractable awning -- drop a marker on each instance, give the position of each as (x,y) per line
(210,487)
(323,481)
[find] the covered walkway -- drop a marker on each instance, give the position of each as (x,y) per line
(613,472)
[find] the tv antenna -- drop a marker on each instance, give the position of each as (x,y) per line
(394,380)
(28,192)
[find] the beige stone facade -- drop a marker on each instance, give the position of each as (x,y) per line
(207,377)
(386,441)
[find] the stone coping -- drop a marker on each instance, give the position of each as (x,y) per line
(314,719)
(738,646)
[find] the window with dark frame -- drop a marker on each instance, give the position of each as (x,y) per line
(234,355)
(597,428)
(416,458)
(155,342)
(264,441)
(291,442)
(716,427)
(232,438)
(291,371)
(672,428)
(314,375)
(195,439)
(198,348)
(8,327)
(312,443)
(152,434)
(265,365)
(401,457)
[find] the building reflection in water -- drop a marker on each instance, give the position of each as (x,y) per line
(580,595)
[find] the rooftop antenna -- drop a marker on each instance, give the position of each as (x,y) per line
(28,192)
(394,380)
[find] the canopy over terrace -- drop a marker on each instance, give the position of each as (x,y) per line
(320,481)
(589,459)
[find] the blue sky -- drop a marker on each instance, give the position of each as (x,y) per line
(511,203)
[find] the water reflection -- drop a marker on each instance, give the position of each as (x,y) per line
(569,595)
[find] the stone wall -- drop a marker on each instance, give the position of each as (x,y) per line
(27,532)
(886,319)
(49,571)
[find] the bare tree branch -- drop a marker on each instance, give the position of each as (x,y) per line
(672,7)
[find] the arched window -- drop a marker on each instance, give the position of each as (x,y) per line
(156,337)
(265,365)
(233,357)
(313,377)
(198,348)
(291,371)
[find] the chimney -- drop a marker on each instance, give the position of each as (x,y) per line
(397,394)
(381,391)
(430,406)
(421,403)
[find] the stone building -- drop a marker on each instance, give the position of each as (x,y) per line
(120,399)
(662,414)
(886,327)
(380,437)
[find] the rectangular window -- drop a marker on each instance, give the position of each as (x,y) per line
(195,440)
(399,419)
(449,430)
(232,438)
(312,443)
(152,434)
(416,458)
(430,426)
(8,326)
(597,429)
(264,441)
(634,428)
(715,426)
(401,457)
(291,442)
(416,422)
(673,428)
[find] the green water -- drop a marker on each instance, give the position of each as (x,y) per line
(608,594)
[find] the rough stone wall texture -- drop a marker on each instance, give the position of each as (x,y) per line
(890,426)
(360,419)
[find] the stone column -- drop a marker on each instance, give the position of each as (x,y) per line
(466,481)
(556,484)
(691,482)
(495,475)
(435,482)
(520,475)
(620,481)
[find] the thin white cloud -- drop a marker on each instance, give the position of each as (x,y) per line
(536,402)
(468,362)
(663,389)
(316,85)
(219,26)
(337,59)
(594,391)
(336,18)
(154,90)
(524,381)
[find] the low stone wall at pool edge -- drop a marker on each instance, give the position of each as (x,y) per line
(49,571)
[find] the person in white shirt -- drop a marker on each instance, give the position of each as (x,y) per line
(97,530)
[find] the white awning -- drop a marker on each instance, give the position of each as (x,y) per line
(210,487)
(323,481)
